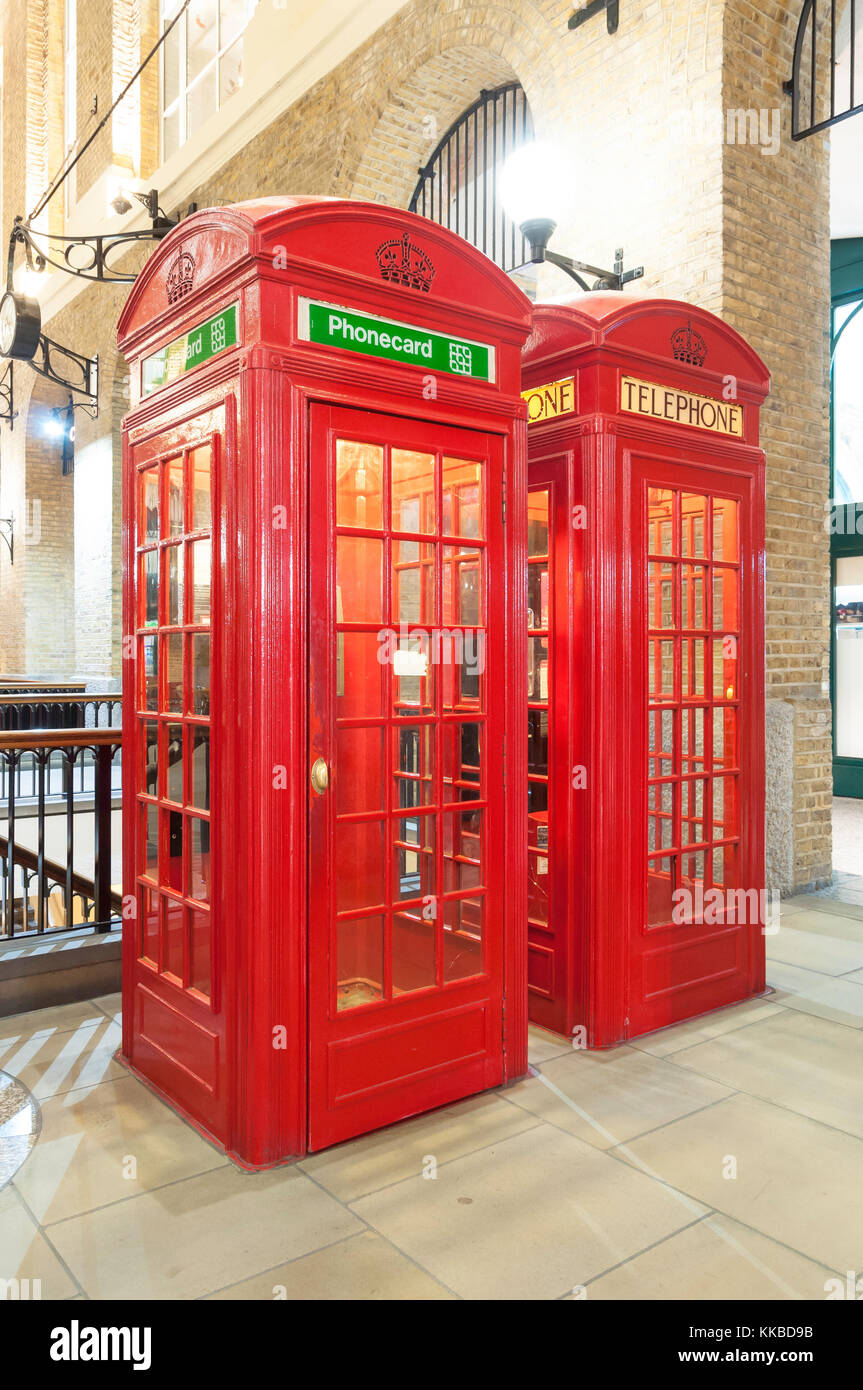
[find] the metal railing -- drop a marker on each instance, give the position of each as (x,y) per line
(56,710)
(40,890)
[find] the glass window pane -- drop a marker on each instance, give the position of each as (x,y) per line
(148,525)
(661,670)
(413,491)
(462,498)
(693,523)
(461,761)
(726,544)
(537,742)
(171,133)
(360,965)
(174,752)
(174,604)
(413,951)
(537,669)
(359,855)
(200,741)
(414,859)
(201,673)
(359,484)
(725,668)
(174,673)
(203,37)
(462,586)
(847,420)
(232,19)
(150,672)
(537,522)
(176,525)
(199,466)
(462,937)
(660,595)
(414,674)
(171,64)
(201,551)
(413,582)
(150,588)
(414,765)
(201,101)
(199,860)
(200,951)
(148,906)
(537,596)
(848,669)
(173,942)
(150,780)
(661,883)
(692,602)
(660,514)
(150,842)
(359,771)
(231,72)
(361,671)
(359,580)
(725,610)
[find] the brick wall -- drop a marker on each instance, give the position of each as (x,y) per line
(638,117)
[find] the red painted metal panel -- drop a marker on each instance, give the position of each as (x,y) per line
(268,1059)
(672,801)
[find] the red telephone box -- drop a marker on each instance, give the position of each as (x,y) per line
(646,666)
(324,764)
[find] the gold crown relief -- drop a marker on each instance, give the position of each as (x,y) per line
(403,263)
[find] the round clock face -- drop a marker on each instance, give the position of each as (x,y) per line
(8,323)
(20,325)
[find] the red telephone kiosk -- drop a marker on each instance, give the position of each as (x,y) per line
(646,666)
(324,763)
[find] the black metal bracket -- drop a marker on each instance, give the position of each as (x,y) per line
(89,257)
(605,279)
(612,14)
(85,381)
(7,396)
(7,535)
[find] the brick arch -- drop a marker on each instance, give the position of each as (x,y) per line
(442,77)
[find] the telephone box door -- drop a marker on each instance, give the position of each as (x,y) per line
(701,914)
(406,769)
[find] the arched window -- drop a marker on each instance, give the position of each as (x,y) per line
(458,187)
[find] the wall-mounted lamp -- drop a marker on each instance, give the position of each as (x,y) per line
(532,184)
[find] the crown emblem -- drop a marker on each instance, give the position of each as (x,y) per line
(688,346)
(402,263)
(181,276)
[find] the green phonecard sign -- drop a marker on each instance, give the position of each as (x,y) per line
(192,350)
(332,325)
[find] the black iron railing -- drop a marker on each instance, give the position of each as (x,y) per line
(21,709)
(826,84)
(40,888)
(458,187)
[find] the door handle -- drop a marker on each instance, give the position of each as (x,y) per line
(320,776)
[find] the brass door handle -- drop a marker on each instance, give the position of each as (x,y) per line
(320,776)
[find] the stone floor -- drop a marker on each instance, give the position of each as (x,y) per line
(720,1158)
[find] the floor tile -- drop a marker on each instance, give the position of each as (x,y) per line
(52,1063)
(111,1004)
(825,924)
(364,1267)
(716,1258)
(810,1065)
(838,998)
(193,1237)
(679,1035)
(62,1018)
(402,1151)
(91,1139)
(26,1254)
(542,1046)
(823,951)
(527,1219)
(796,1180)
(608,1097)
